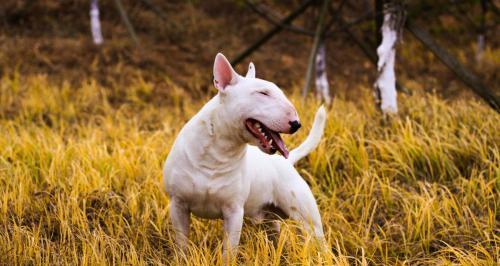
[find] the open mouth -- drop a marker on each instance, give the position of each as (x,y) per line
(270,141)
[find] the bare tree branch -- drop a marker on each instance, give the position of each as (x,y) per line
(454,65)
(126,21)
(287,20)
(155,9)
(274,19)
(271,17)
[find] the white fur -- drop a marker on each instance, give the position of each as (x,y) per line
(212,172)
(312,140)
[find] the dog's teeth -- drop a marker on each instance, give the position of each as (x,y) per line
(271,142)
(257,125)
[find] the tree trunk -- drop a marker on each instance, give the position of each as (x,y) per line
(322,87)
(482,32)
(379,20)
(95,24)
(314,50)
(385,86)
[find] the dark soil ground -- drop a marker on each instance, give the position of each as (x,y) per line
(53,38)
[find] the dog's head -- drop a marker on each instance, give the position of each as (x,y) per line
(258,108)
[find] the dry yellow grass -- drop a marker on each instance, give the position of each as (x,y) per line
(80,181)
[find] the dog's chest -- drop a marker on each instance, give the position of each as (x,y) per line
(210,195)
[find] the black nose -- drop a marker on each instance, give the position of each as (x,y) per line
(294,126)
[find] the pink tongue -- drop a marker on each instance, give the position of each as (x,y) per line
(279,144)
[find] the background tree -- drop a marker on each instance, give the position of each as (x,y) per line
(95,23)
(385,86)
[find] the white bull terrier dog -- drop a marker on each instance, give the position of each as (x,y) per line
(212,172)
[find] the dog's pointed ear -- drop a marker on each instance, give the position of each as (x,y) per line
(224,73)
(251,71)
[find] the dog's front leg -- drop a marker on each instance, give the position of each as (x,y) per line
(233,221)
(181,220)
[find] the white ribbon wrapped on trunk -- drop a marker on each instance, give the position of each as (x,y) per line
(385,85)
(95,24)
(322,86)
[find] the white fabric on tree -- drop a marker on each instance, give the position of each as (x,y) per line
(95,24)
(386,81)
(322,87)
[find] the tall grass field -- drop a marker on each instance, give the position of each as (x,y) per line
(81,166)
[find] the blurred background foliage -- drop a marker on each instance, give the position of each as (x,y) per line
(53,38)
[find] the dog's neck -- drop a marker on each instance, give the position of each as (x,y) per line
(220,151)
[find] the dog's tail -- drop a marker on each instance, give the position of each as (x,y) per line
(312,139)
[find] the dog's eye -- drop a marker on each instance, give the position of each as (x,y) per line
(266,93)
